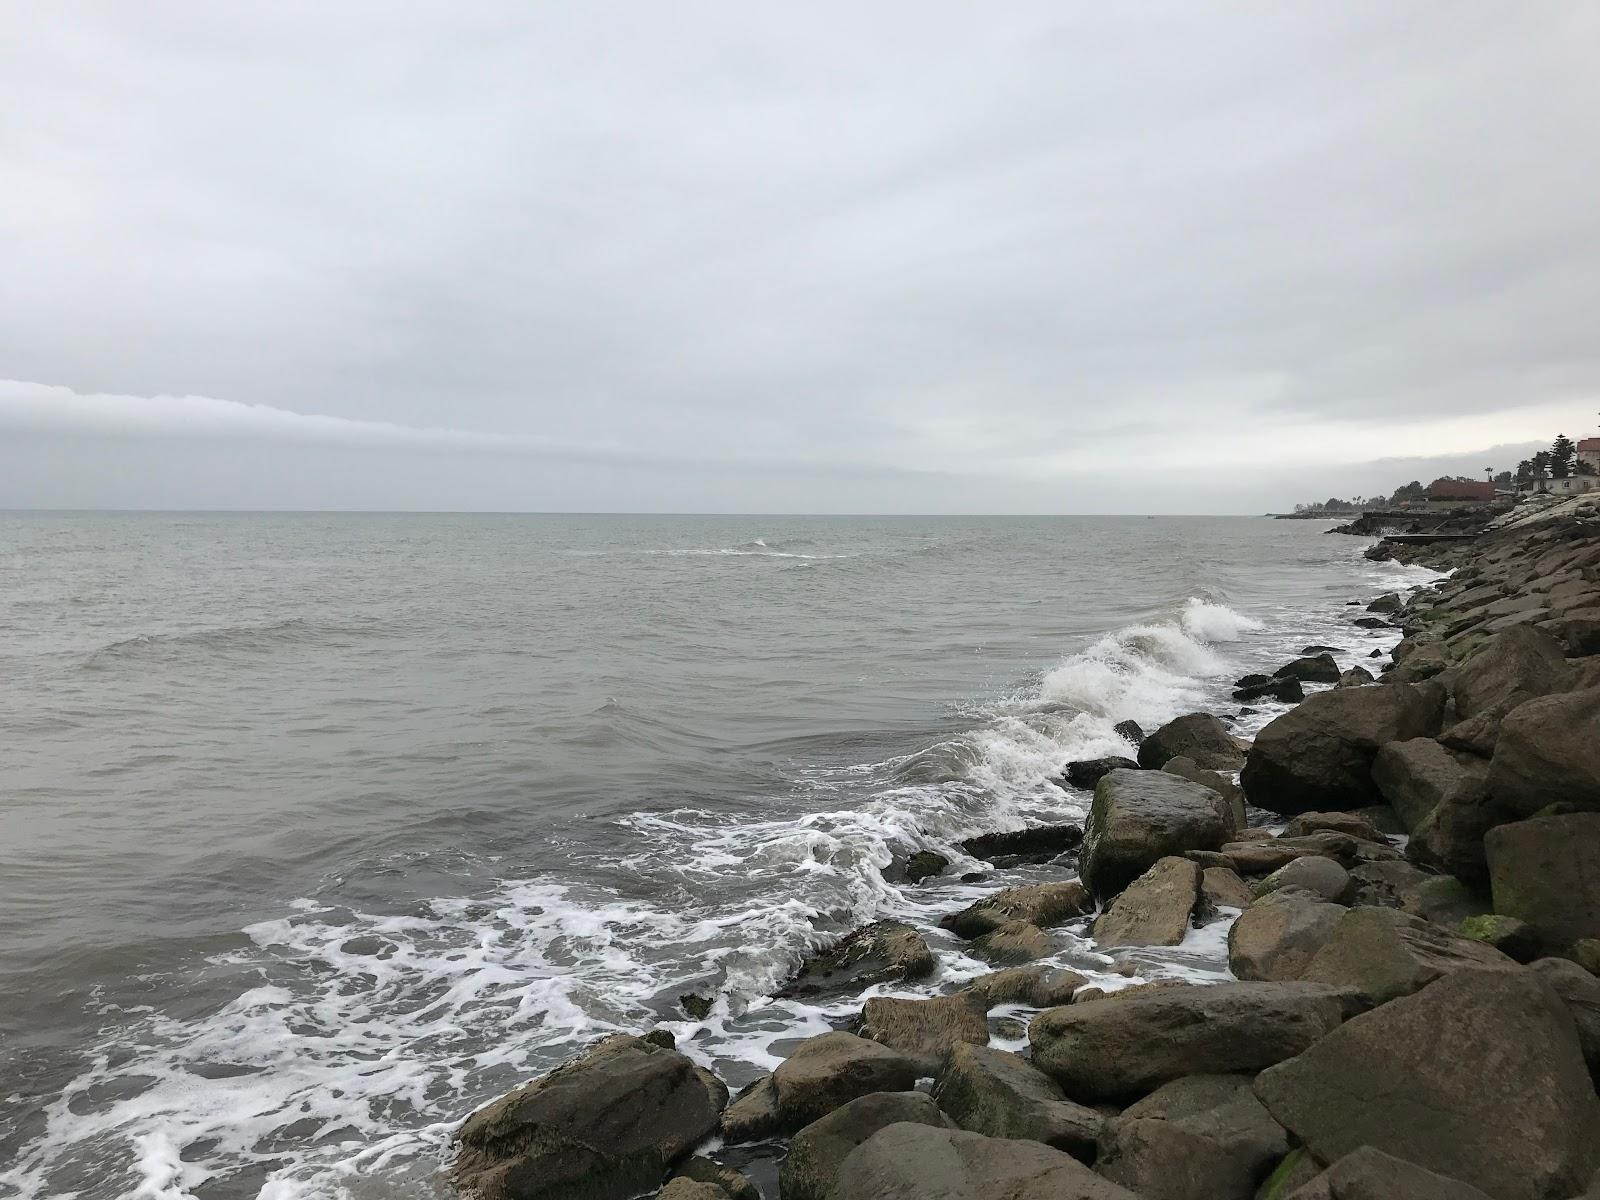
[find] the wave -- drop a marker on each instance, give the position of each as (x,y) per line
(228,639)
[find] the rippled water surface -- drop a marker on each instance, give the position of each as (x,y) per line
(322,829)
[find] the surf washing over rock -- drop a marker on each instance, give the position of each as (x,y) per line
(336,1044)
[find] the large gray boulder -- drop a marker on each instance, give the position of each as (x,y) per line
(1277,937)
(1417,774)
(1382,953)
(883,952)
(823,1073)
(1154,909)
(1186,768)
(1581,991)
(606,1125)
(1549,750)
(1141,817)
(1037,987)
(1515,665)
(1546,871)
(1478,1075)
(1013,942)
(1370,1174)
(1041,904)
(925,1030)
(1120,1047)
(1002,1095)
(1318,755)
(1320,877)
(1199,737)
(1313,668)
(815,1153)
(917,1162)
(1205,1137)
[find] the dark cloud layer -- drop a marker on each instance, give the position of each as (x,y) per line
(894,257)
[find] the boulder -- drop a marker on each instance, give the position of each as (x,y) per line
(606,1125)
(1476,736)
(883,952)
(1276,938)
(1041,904)
(918,1162)
(1317,648)
(1517,664)
(1581,992)
(1086,772)
(1122,1047)
(1356,677)
(1154,909)
(1221,887)
(816,1152)
(1479,1075)
(1389,602)
(1314,668)
(704,1171)
(1285,688)
(1515,939)
(1369,1174)
(924,1030)
(1416,775)
(1130,732)
(1549,749)
(925,864)
(1318,755)
(1205,1137)
(1039,844)
(1295,1171)
(1013,942)
(1543,871)
(1037,987)
(1382,953)
(691,1189)
(1230,791)
(1321,878)
(1263,857)
(1199,736)
(1002,1095)
(1140,817)
(823,1073)
(1444,900)
(1386,883)
(1356,825)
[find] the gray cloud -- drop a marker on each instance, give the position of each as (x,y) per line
(964,258)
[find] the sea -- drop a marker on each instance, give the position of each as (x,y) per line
(321,830)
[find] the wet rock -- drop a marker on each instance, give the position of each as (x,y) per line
(1154,909)
(1411,1078)
(1356,677)
(1318,756)
(1040,844)
(691,1189)
(1197,736)
(883,952)
(925,1030)
(1389,602)
(1314,668)
(1318,649)
(1381,953)
(1130,732)
(1276,938)
(1416,775)
(817,1151)
(1002,1095)
(1041,904)
(1086,772)
(607,1125)
(1355,824)
(1369,1174)
(1185,768)
(1543,871)
(1121,1047)
(1321,878)
(1013,942)
(1581,993)
(925,864)
(1515,939)
(703,1170)
(1284,688)
(1206,1137)
(1221,887)
(1549,749)
(822,1074)
(1140,817)
(1266,856)
(1372,623)
(1037,987)
(916,1162)
(696,1006)
(1515,665)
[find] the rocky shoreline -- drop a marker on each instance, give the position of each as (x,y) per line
(1407,867)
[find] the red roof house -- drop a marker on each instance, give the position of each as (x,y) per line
(1460,489)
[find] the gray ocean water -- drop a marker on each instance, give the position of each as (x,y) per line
(320,830)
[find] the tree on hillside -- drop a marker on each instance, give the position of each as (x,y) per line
(1563,454)
(1410,491)
(1504,478)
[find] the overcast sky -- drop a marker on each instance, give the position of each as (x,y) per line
(891,257)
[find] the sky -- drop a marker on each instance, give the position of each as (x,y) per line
(867,257)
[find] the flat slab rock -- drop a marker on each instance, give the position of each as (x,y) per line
(883,952)
(1041,904)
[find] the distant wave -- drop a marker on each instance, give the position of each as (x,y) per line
(222,639)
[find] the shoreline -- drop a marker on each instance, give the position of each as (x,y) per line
(1396,870)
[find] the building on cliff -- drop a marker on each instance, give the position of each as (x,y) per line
(1460,489)
(1589,452)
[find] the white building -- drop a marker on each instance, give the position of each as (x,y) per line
(1573,485)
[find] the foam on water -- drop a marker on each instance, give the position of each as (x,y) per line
(368,1036)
